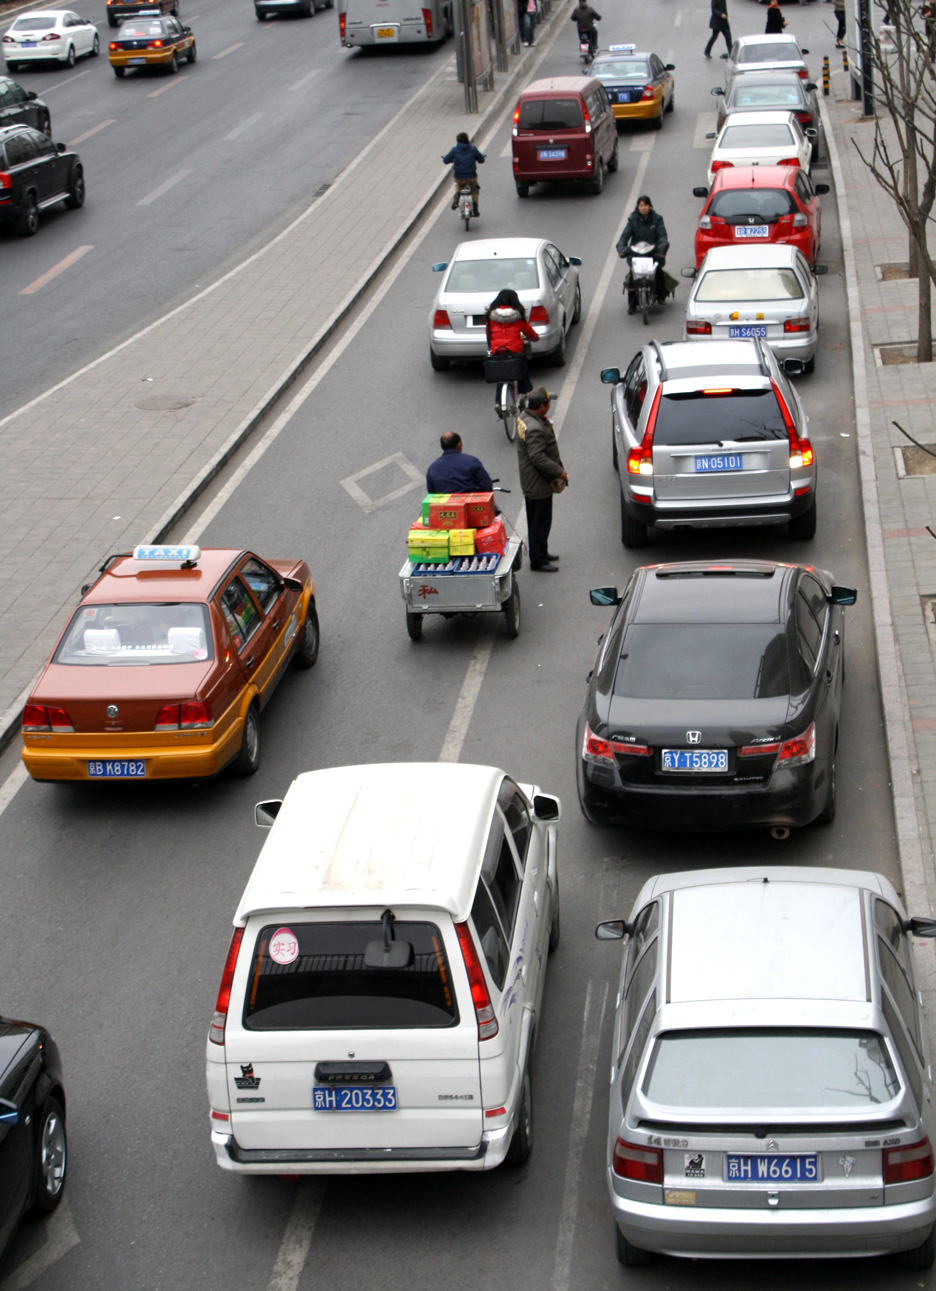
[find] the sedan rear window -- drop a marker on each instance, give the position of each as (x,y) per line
(766,96)
(703,661)
(550,114)
(131,635)
(764,205)
(769,1069)
(735,415)
(492,276)
(757,136)
(316,979)
(775,52)
(33,24)
(749,284)
(621,69)
(140,30)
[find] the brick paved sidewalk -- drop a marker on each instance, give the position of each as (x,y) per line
(109,457)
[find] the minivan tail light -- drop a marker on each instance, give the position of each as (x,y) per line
(640,1163)
(216,1030)
(797,752)
(640,460)
(587,119)
(427,19)
(801,453)
(342,26)
(516,114)
(698,328)
(539,314)
(441,319)
(902,1165)
(484,1009)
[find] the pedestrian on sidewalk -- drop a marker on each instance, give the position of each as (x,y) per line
(719,26)
(463,159)
(541,475)
(528,21)
(838,8)
(455,471)
(775,19)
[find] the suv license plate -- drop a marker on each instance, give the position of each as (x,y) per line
(117,769)
(553,154)
(694,759)
(750,230)
(771,1169)
(354,1098)
(743,333)
(720,462)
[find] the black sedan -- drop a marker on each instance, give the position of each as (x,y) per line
(19,107)
(33,1146)
(715,700)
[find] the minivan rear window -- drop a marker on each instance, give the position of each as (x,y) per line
(328,986)
(550,114)
(728,415)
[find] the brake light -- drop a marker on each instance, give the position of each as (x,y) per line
(35,718)
(427,19)
(804,118)
(587,119)
(8,40)
(642,1164)
(167,719)
(722,165)
(789,161)
(219,1116)
(799,220)
(52,35)
(113,45)
(59,720)
(154,44)
(797,752)
(719,390)
(516,115)
(758,750)
(597,750)
(441,319)
(901,1165)
(640,460)
(539,314)
(484,1009)
(801,453)
(802,73)
(705,221)
(698,329)
(216,1030)
(796,325)
(342,25)
(647,92)
(194,713)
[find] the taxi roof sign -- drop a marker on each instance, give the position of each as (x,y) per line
(621,49)
(166,554)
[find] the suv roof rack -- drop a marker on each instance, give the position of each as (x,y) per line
(660,360)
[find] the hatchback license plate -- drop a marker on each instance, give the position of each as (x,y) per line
(695,759)
(117,769)
(771,1169)
(553,154)
(720,462)
(750,230)
(743,333)
(354,1098)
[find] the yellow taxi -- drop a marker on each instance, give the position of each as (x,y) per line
(151,42)
(640,85)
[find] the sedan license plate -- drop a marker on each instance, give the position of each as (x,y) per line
(751,230)
(694,759)
(29,44)
(743,333)
(354,1098)
(132,61)
(117,769)
(720,462)
(553,154)
(771,1169)
(386,33)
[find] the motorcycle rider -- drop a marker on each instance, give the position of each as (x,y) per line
(645,225)
(506,326)
(463,159)
(585,17)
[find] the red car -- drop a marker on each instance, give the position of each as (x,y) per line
(758,204)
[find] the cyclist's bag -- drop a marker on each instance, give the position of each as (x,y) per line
(503,367)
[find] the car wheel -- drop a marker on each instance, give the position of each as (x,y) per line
(809,366)
(523,190)
(598,182)
(633,534)
(577,304)
(120,71)
(921,1257)
(12,67)
(628,1254)
(554,926)
(70,56)
(512,611)
(438,363)
(657,122)
(827,815)
(28,222)
(672,102)
(414,626)
(96,47)
(521,1145)
(803,527)
(111,22)
(308,647)
(51,1158)
(174,64)
(76,190)
(192,56)
(248,759)
(615,159)
(557,359)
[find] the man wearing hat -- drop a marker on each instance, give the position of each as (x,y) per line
(541,475)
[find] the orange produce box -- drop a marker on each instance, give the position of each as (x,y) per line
(449,514)
(479,509)
(491,538)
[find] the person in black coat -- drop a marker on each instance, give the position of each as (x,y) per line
(719,24)
(775,19)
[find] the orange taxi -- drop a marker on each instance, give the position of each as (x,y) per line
(151,42)
(166,664)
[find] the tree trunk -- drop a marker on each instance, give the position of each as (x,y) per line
(924,319)
(911,191)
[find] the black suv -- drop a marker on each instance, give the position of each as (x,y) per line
(19,107)
(35,173)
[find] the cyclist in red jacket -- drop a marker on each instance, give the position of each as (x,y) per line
(506,328)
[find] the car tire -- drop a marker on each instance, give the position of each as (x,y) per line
(614,452)
(809,366)
(28,223)
(192,56)
(628,1254)
(577,305)
(51,1159)
(111,22)
(672,102)
(76,190)
(921,1257)
(307,649)
(803,527)
(120,72)
(554,927)
(70,56)
(597,186)
(827,815)
(414,626)
(174,65)
(247,761)
(657,122)
(438,363)
(614,160)
(523,190)
(512,611)
(521,1145)
(557,357)
(96,47)
(633,534)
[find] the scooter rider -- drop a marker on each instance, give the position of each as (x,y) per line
(645,225)
(463,159)
(585,17)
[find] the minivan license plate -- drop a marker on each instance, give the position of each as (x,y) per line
(354,1098)
(553,154)
(750,230)
(117,769)
(771,1169)
(694,759)
(386,33)
(720,462)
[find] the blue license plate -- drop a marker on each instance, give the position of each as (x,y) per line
(117,769)
(29,44)
(354,1098)
(135,60)
(624,96)
(720,462)
(771,1169)
(750,230)
(553,154)
(694,759)
(743,333)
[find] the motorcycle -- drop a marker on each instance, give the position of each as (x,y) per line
(588,42)
(642,279)
(465,205)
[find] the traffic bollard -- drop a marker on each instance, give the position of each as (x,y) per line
(845,59)
(825,75)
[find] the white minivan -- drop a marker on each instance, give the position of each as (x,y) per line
(380,999)
(392,22)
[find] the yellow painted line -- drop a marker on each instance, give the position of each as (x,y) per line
(230,50)
(93,131)
(154,94)
(56,269)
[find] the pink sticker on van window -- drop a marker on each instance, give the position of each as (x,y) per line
(284,946)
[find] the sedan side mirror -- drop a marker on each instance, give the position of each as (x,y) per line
(918,927)
(60,147)
(671,67)
(701,191)
(843,596)
(576,260)
(31,95)
(712,134)
(612,930)
(604,596)
(546,806)
(811,85)
(610,376)
(820,270)
(687,272)
(811,132)
(822,189)
(265,813)
(717,90)
(437,268)
(804,50)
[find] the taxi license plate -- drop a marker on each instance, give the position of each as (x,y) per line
(354,1098)
(117,769)
(742,333)
(770,1169)
(751,230)
(553,154)
(694,759)
(131,61)
(386,33)
(720,462)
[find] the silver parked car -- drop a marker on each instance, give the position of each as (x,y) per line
(770,92)
(770,1092)
(767,291)
(767,53)
(546,281)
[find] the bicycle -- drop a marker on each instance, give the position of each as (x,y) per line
(507,407)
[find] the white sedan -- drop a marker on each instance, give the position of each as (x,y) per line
(49,35)
(760,139)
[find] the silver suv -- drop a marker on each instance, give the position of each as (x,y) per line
(710,436)
(770,1089)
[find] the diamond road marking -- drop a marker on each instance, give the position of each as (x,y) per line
(416,480)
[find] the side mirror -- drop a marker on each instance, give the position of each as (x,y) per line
(604,596)
(810,85)
(718,91)
(187,31)
(31,95)
(687,272)
(576,260)
(60,147)
(293,584)
(793,367)
(918,927)
(712,134)
(265,813)
(437,268)
(843,596)
(811,132)
(546,806)
(822,189)
(821,270)
(804,50)
(671,67)
(610,376)
(701,191)
(611,930)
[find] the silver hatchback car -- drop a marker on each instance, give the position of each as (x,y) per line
(770,1089)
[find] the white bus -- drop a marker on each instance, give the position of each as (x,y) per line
(388,22)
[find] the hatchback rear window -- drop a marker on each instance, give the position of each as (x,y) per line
(550,114)
(748,284)
(703,661)
(775,52)
(735,415)
(319,980)
(108,636)
(491,276)
(770,1070)
(738,205)
(756,136)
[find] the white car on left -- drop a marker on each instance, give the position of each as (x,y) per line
(49,35)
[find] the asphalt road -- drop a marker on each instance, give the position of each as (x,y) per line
(117,902)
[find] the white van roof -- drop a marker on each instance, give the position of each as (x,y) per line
(395,833)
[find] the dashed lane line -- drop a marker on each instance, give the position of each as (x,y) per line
(304,80)
(230,50)
(244,126)
(176,80)
(297,1239)
(50,89)
(56,269)
(88,134)
(164,188)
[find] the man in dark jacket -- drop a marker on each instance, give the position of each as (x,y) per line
(540,467)
(645,225)
(719,23)
(463,159)
(455,471)
(585,17)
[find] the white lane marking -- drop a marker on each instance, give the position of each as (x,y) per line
(642,142)
(56,269)
(415,480)
(596,998)
(164,187)
(467,698)
(61,1236)
(304,80)
(507,150)
(11,786)
(102,125)
(244,125)
(230,50)
(52,88)
(705,123)
(176,80)
(677,21)
(297,1239)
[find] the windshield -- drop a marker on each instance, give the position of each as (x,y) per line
(703,661)
(734,415)
(550,114)
(33,24)
(492,276)
(762,204)
(114,635)
(621,69)
(766,96)
(748,284)
(757,136)
(775,52)
(770,1070)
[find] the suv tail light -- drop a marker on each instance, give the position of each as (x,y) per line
(789,161)
(441,319)
(427,19)
(640,460)
(216,1030)
(901,1165)
(801,453)
(640,1163)
(698,328)
(795,325)
(484,1009)
(539,314)
(647,92)
(799,220)
(722,165)
(797,752)
(38,717)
